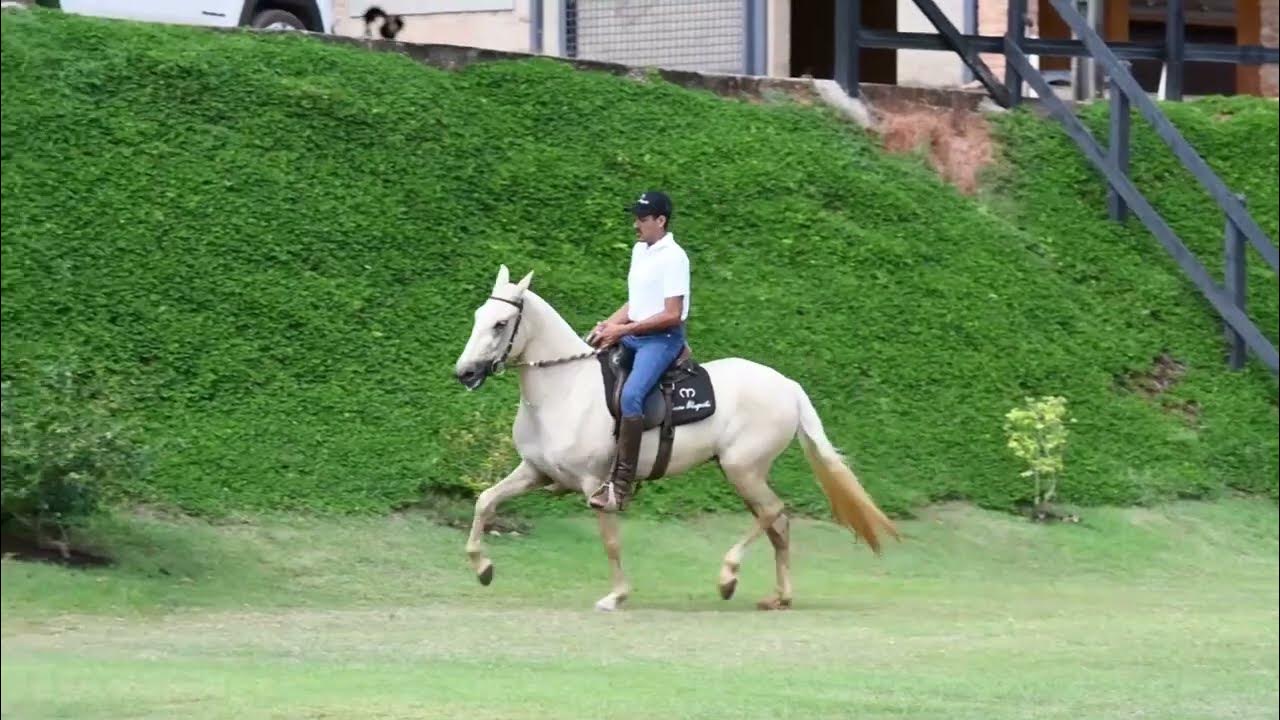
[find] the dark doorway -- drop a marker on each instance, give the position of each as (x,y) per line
(1199,78)
(1053,27)
(813,44)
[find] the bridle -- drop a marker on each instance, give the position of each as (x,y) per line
(498,366)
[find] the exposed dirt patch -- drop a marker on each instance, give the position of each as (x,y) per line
(1188,410)
(957,140)
(19,547)
(1164,374)
(1047,514)
(1152,384)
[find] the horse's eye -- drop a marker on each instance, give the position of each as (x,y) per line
(500,326)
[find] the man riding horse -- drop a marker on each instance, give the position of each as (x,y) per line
(652,325)
(739,413)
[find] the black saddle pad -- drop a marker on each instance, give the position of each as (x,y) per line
(693,397)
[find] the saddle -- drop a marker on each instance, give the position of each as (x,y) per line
(683,395)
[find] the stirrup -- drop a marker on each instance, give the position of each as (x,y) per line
(610,494)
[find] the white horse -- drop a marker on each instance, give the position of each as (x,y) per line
(563,433)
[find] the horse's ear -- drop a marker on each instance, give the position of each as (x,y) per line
(504,277)
(524,283)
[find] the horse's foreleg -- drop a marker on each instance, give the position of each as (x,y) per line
(521,480)
(611,536)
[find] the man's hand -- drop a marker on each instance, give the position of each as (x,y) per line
(609,333)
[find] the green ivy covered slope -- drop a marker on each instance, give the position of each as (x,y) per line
(272,247)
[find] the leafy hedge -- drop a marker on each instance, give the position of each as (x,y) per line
(275,246)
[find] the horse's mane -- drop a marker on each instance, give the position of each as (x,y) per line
(553,321)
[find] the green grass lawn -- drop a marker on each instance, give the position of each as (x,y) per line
(1157,613)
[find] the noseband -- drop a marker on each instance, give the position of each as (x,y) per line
(497,366)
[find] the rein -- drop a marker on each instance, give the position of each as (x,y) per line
(499,365)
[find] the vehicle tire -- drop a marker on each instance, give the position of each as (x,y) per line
(277,20)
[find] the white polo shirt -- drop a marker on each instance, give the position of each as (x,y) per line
(658,271)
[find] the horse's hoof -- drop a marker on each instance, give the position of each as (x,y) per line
(485,576)
(774,603)
(727,589)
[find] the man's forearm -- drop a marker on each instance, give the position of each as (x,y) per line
(662,321)
(619,316)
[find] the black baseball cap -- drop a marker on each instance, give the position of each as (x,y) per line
(653,202)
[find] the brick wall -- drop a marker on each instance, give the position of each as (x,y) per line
(1270,74)
(992,20)
(992,15)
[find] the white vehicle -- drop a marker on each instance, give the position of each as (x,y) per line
(312,15)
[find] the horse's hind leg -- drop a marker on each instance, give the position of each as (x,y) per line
(780,536)
(752,484)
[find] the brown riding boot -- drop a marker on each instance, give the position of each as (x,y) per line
(617,491)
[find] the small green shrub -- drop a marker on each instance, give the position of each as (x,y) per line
(62,440)
(1038,436)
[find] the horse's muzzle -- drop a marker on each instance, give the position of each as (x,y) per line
(472,377)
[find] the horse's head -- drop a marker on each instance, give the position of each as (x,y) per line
(496,335)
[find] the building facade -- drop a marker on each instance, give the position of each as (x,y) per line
(795,38)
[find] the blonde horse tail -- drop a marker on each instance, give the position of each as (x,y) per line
(850,503)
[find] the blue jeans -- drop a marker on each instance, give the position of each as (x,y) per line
(654,353)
